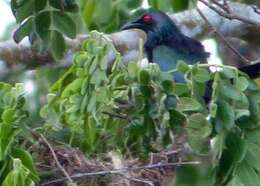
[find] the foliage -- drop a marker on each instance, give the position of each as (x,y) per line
(45,22)
(140,110)
(16,164)
(100,107)
(96,18)
(130,106)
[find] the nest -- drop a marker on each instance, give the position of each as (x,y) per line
(63,163)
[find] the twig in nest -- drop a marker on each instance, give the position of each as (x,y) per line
(150,183)
(56,159)
(113,115)
(118,171)
(222,37)
(229,15)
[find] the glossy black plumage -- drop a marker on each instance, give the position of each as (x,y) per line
(165,43)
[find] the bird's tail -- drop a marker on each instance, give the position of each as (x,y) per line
(252,70)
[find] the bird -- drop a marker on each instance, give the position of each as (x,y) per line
(166,44)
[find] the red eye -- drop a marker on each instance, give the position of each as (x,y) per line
(147,19)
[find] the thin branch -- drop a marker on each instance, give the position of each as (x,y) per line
(56,159)
(127,42)
(222,37)
(119,171)
(230,15)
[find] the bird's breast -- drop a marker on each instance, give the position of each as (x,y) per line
(167,59)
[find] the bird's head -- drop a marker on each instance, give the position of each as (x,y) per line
(152,21)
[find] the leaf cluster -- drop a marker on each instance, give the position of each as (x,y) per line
(16,164)
(140,110)
(45,22)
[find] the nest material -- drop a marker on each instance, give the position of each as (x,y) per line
(116,170)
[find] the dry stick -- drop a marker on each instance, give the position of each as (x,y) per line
(119,171)
(222,37)
(230,15)
(56,159)
(114,115)
(150,183)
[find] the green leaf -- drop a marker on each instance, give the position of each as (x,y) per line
(64,23)
(252,157)
(132,69)
(198,131)
(180,88)
(247,175)
(101,16)
(39,5)
(179,5)
(43,22)
(71,88)
(89,11)
(58,46)
(236,147)
(23,31)
(253,136)
(230,91)
(8,116)
(225,115)
(144,77)
(154,3)
(255,95)
(235,182)
(182,67)
(27,161)
(133,3)
(242,83)
(24,10)
(202,75)
(188,104)
(146,90)
(177,119)
(241,112)
(228,73)
(18,175)
(136,127)
(168,86)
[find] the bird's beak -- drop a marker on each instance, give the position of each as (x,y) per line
(131,25)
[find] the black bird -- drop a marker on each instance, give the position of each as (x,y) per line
(166,44)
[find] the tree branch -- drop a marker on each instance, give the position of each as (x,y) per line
(127,42)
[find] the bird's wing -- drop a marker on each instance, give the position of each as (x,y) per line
(191,49)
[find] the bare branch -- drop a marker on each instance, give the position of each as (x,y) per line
(127,42)
(228,13)
(223,38)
